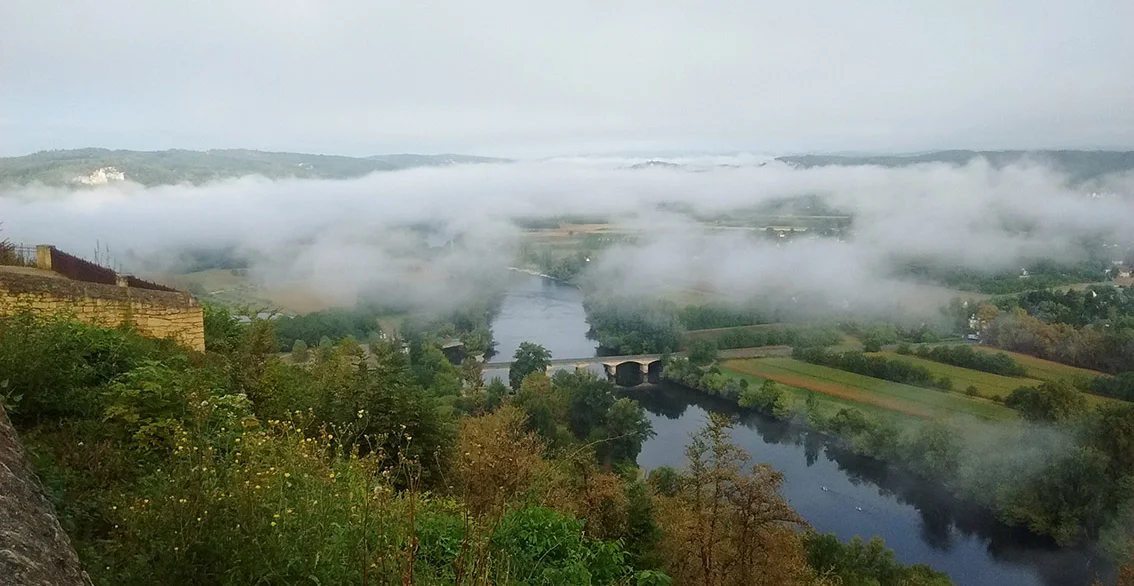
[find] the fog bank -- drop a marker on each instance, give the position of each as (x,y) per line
(376,232)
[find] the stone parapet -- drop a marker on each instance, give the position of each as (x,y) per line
(155,314)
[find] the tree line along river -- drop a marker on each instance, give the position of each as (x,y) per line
(832,488)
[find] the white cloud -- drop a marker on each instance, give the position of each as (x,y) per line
(521,78)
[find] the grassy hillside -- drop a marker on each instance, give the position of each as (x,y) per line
(856,388)
(184,166)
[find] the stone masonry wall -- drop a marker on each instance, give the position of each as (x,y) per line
(156,314)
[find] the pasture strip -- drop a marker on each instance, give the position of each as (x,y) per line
(1045,370)
(834,390)
(896,396)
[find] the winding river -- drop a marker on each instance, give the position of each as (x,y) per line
(834,490)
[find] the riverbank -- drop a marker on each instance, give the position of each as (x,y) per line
(945,454)
(845,493)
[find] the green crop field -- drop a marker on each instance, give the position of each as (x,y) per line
(988,384)
(1044,370)
(994,385)
(827,403)
(856,388)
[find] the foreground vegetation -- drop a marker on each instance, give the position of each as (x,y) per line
(367,466)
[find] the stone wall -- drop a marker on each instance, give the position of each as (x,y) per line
(156,314)
(34,549)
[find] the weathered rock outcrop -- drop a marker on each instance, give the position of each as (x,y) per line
(34,550)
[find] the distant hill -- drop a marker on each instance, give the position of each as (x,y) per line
(654,164)
(97,166)
(1079,165)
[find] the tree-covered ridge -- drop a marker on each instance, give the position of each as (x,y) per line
(175,166)
(1095,304)
(1030,276)
(1079,165)
(1103,346)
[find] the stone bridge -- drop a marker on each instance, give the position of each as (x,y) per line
(636,369)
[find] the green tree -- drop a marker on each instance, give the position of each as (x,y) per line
(626,429)
(702,352)
(433,370)
(588,401)
(535,398)
(494,393)
(874,338)
(529,358)
(865,563)
(472,373)
(665,480)
(1110,430)
(326,348)
(1052,402)
(642,531)
(762,398)
(1070,499)
(221,329)
(299,352)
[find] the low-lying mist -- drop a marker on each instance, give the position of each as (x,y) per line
(397,234)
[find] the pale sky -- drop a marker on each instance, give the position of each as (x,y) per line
(530,78)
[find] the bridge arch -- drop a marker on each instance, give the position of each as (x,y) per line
(633,372)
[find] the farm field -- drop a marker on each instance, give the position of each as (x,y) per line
(856,388)
(829,404)
(989,385)
(994,385)
(1041,369)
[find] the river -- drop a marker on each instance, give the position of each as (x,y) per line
(834,490)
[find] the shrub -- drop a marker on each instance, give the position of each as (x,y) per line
(542,546)
(1051,402)
(299,353)
(52,367)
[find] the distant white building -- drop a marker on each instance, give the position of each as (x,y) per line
(101,176)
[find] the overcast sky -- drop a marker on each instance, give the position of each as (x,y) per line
(530,78)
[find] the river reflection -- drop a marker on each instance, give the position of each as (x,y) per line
(545,312)
(838,491)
